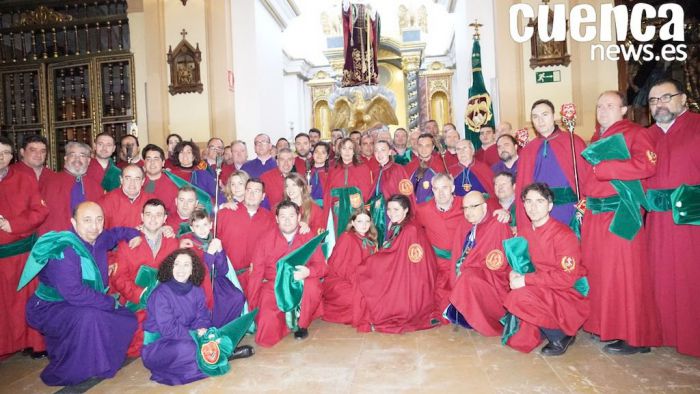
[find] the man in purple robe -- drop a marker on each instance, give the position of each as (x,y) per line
(264,162)
(87,332)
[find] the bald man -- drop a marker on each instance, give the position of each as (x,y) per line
(123,206)
(470,174)
(480,270)
(87,332)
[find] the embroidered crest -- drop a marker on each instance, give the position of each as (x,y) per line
(494,260)
(478,111)
(581,206)
(568,263)
(210,352)
(405,187)
(426,185)
(467,187)
(651,156)
(415,253)
(355,201)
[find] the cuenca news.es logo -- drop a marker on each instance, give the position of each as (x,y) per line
(586,24)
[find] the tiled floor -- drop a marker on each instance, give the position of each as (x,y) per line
(336,359)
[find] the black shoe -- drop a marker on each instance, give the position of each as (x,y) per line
(621,348)
(557,348)
(244,351)
(38,355)
(301,333)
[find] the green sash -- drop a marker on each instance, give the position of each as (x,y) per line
(627,220)
(442,253)
(146,278)
(203,197)
(344,208)
(111,179)
(20,246)
(288,292)
(377,211)
(684,202)
(403,159)
(184,229)
(563,195)
(518,255)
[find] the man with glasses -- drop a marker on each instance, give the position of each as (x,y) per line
(68,188)
(21,212)
(215,148)
(122,207)
(264,161)
(674,244)
(622,307)
(479,269)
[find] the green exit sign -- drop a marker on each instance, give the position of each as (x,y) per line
(547,76)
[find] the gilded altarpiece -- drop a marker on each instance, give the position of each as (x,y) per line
(436,93)
(321,87)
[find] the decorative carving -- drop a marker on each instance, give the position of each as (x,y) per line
(437,85)
(551,53)
(184,67)
(42,16)
(410,63)
(413,18)
(359,114)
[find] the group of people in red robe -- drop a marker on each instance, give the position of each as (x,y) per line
(416,237)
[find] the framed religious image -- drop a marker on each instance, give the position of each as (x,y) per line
(550,53)
(184,64)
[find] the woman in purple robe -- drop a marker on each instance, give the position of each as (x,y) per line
(175,307)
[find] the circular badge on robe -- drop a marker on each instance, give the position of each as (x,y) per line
(426,185)
(355,201)
(495,260)
(210,352)
(405,187)
(651,156)
(415,253)
(467,187)
(568,263)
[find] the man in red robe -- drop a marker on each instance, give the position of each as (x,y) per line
(302,161)
(621,297)
(478,269)
(104,146)
(123,206)
(440,219)
(488,153)
(548,159)
(452,137)
(33,163)
(153,249)
(21,212)
(545,301)
(240,229)
(470,174)
(185,203)
(68,188)
(274,179)
(275,244)
(674,248)
(157,183)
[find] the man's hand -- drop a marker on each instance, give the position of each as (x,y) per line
(214,246)
(516,280)
(112,269)
(5,225)
(301,272)
(168,232)
(501,215)
(134,242)
(229,205)
(186,243)
(304,228)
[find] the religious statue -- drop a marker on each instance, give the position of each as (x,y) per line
(354,112)
(361,39)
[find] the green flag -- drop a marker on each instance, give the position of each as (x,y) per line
(479,108)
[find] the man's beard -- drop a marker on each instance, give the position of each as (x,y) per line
(664,115)
(505,156)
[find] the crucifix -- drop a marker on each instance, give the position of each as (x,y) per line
(183,33)
(476,25)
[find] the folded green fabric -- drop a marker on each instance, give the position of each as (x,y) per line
(686,205)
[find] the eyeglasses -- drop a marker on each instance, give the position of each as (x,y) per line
(5,153)
(467,207)
(664,99)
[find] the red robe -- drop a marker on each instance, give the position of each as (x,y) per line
(392,174)
(621,296)
(560,143)
(165,190)
(300,165)
(441,227)
(488,156)
(175,221)
(226,171)
(122,280)
(372,164)
(22,206)
(450,159)
(548,299)
(56,192)
(274,187)
(674,249)
(46,172)
(272,326)
(121,164)
(239,233)
(119,211)
(338,285)
(483,283)
(483,174)
(359,176)
(95,171)
(396,285)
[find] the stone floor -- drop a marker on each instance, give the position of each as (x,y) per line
(336,359)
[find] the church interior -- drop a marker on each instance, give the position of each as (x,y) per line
(70,69)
